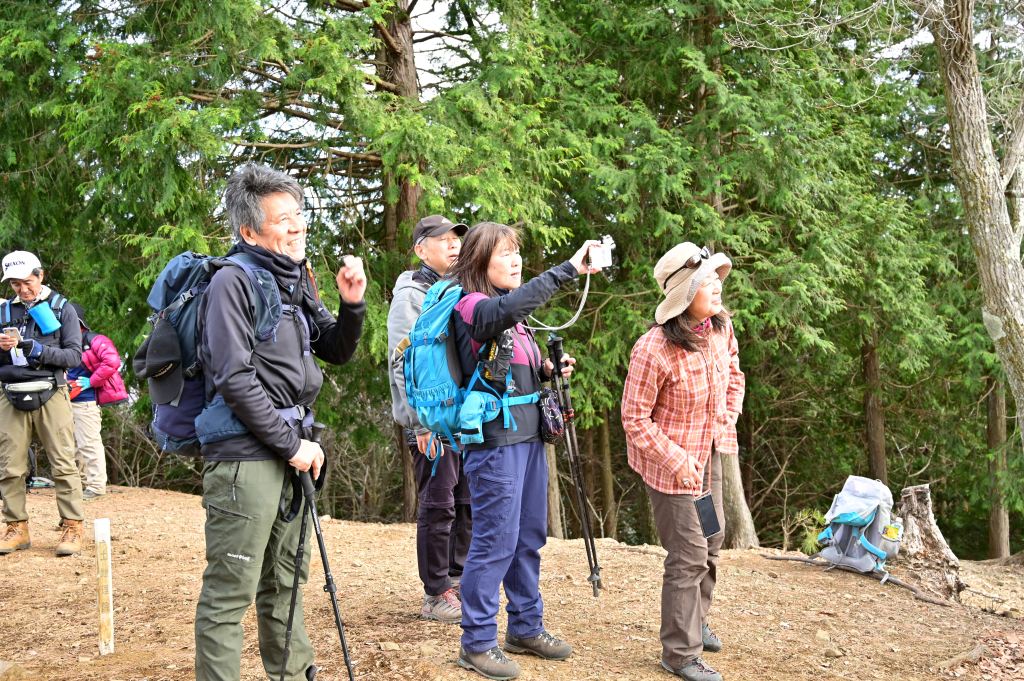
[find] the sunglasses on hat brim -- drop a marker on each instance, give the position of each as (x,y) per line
(692,263)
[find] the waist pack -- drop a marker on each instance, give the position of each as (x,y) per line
(30,395)
(859,532)
(175,299)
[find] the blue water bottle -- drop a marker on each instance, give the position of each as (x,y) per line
(45,319)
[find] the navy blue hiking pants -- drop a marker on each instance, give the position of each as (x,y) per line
(509,498)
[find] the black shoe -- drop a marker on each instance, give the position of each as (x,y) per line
(694,670)
(712,644)
(311,672)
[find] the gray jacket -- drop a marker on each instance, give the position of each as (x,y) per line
(406,305)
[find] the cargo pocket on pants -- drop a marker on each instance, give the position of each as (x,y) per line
(493,495)
(229,537)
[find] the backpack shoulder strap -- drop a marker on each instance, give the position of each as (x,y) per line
(57,303)
(248,265)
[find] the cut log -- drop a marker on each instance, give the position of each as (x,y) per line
(924,548)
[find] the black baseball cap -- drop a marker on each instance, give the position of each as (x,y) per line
(159,361)
(436,225)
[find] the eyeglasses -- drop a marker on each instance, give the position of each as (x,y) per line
(692,263)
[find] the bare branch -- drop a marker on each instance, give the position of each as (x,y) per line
(347,5)
(366,158)
(388,39)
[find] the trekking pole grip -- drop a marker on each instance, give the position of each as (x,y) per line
(555,353)
(305,477)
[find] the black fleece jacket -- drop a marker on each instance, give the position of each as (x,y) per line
(256,379)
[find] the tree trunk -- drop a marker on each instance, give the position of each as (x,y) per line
(607,478)
(998,516)
(745,438)
(410,501)
(739,524)
(875,419)
(645,512)
(981,182)
(588,468)
(554,495)
(397,51)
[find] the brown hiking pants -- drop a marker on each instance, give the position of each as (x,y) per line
(55,426)
(691,566)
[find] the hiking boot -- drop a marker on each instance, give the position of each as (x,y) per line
(89,494)
(712,644)
(695,670)
(15,538)
(444,608)
(544,646)
(492,664)
(71,538)
(311,671)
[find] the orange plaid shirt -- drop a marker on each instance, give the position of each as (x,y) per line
(676,404)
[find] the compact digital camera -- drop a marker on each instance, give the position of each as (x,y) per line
(601,257)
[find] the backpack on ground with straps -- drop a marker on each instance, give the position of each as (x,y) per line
(859,534)
(175,298)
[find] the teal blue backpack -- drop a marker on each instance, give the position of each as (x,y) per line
(433,372)
(433,375)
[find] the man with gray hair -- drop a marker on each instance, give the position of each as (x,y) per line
(263,390)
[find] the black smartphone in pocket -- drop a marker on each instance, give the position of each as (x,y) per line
(706,514)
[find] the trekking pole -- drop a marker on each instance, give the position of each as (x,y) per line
(572,447)
(309,491)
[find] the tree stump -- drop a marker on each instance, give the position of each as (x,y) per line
(924,551)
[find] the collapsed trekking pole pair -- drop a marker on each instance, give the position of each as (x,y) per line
(572,447)
(309,491)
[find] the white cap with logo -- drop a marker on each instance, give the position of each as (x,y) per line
(19,265)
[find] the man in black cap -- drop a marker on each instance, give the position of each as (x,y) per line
(444,527)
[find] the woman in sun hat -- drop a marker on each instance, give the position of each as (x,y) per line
(683,394)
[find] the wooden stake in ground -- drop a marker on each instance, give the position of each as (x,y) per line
(104,586)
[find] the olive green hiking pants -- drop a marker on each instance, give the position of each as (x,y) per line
(55,426)
(250,554)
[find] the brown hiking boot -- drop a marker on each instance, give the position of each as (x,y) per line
(15,538)
(71,539)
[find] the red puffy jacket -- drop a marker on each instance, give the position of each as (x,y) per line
(102,359)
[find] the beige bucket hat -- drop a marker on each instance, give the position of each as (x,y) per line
(680,272)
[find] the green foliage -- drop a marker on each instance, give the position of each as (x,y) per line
(652,122)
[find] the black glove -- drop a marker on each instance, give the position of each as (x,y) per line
(32,349)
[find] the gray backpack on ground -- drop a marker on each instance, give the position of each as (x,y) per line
(859,533)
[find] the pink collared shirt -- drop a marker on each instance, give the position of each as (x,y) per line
(677,404)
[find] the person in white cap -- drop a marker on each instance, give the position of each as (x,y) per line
(40,339)
(682,396)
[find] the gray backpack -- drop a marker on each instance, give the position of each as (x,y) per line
(859,533)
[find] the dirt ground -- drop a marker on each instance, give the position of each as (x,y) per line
(777,619)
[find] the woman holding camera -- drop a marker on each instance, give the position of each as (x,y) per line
(683,394)
(505,460)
